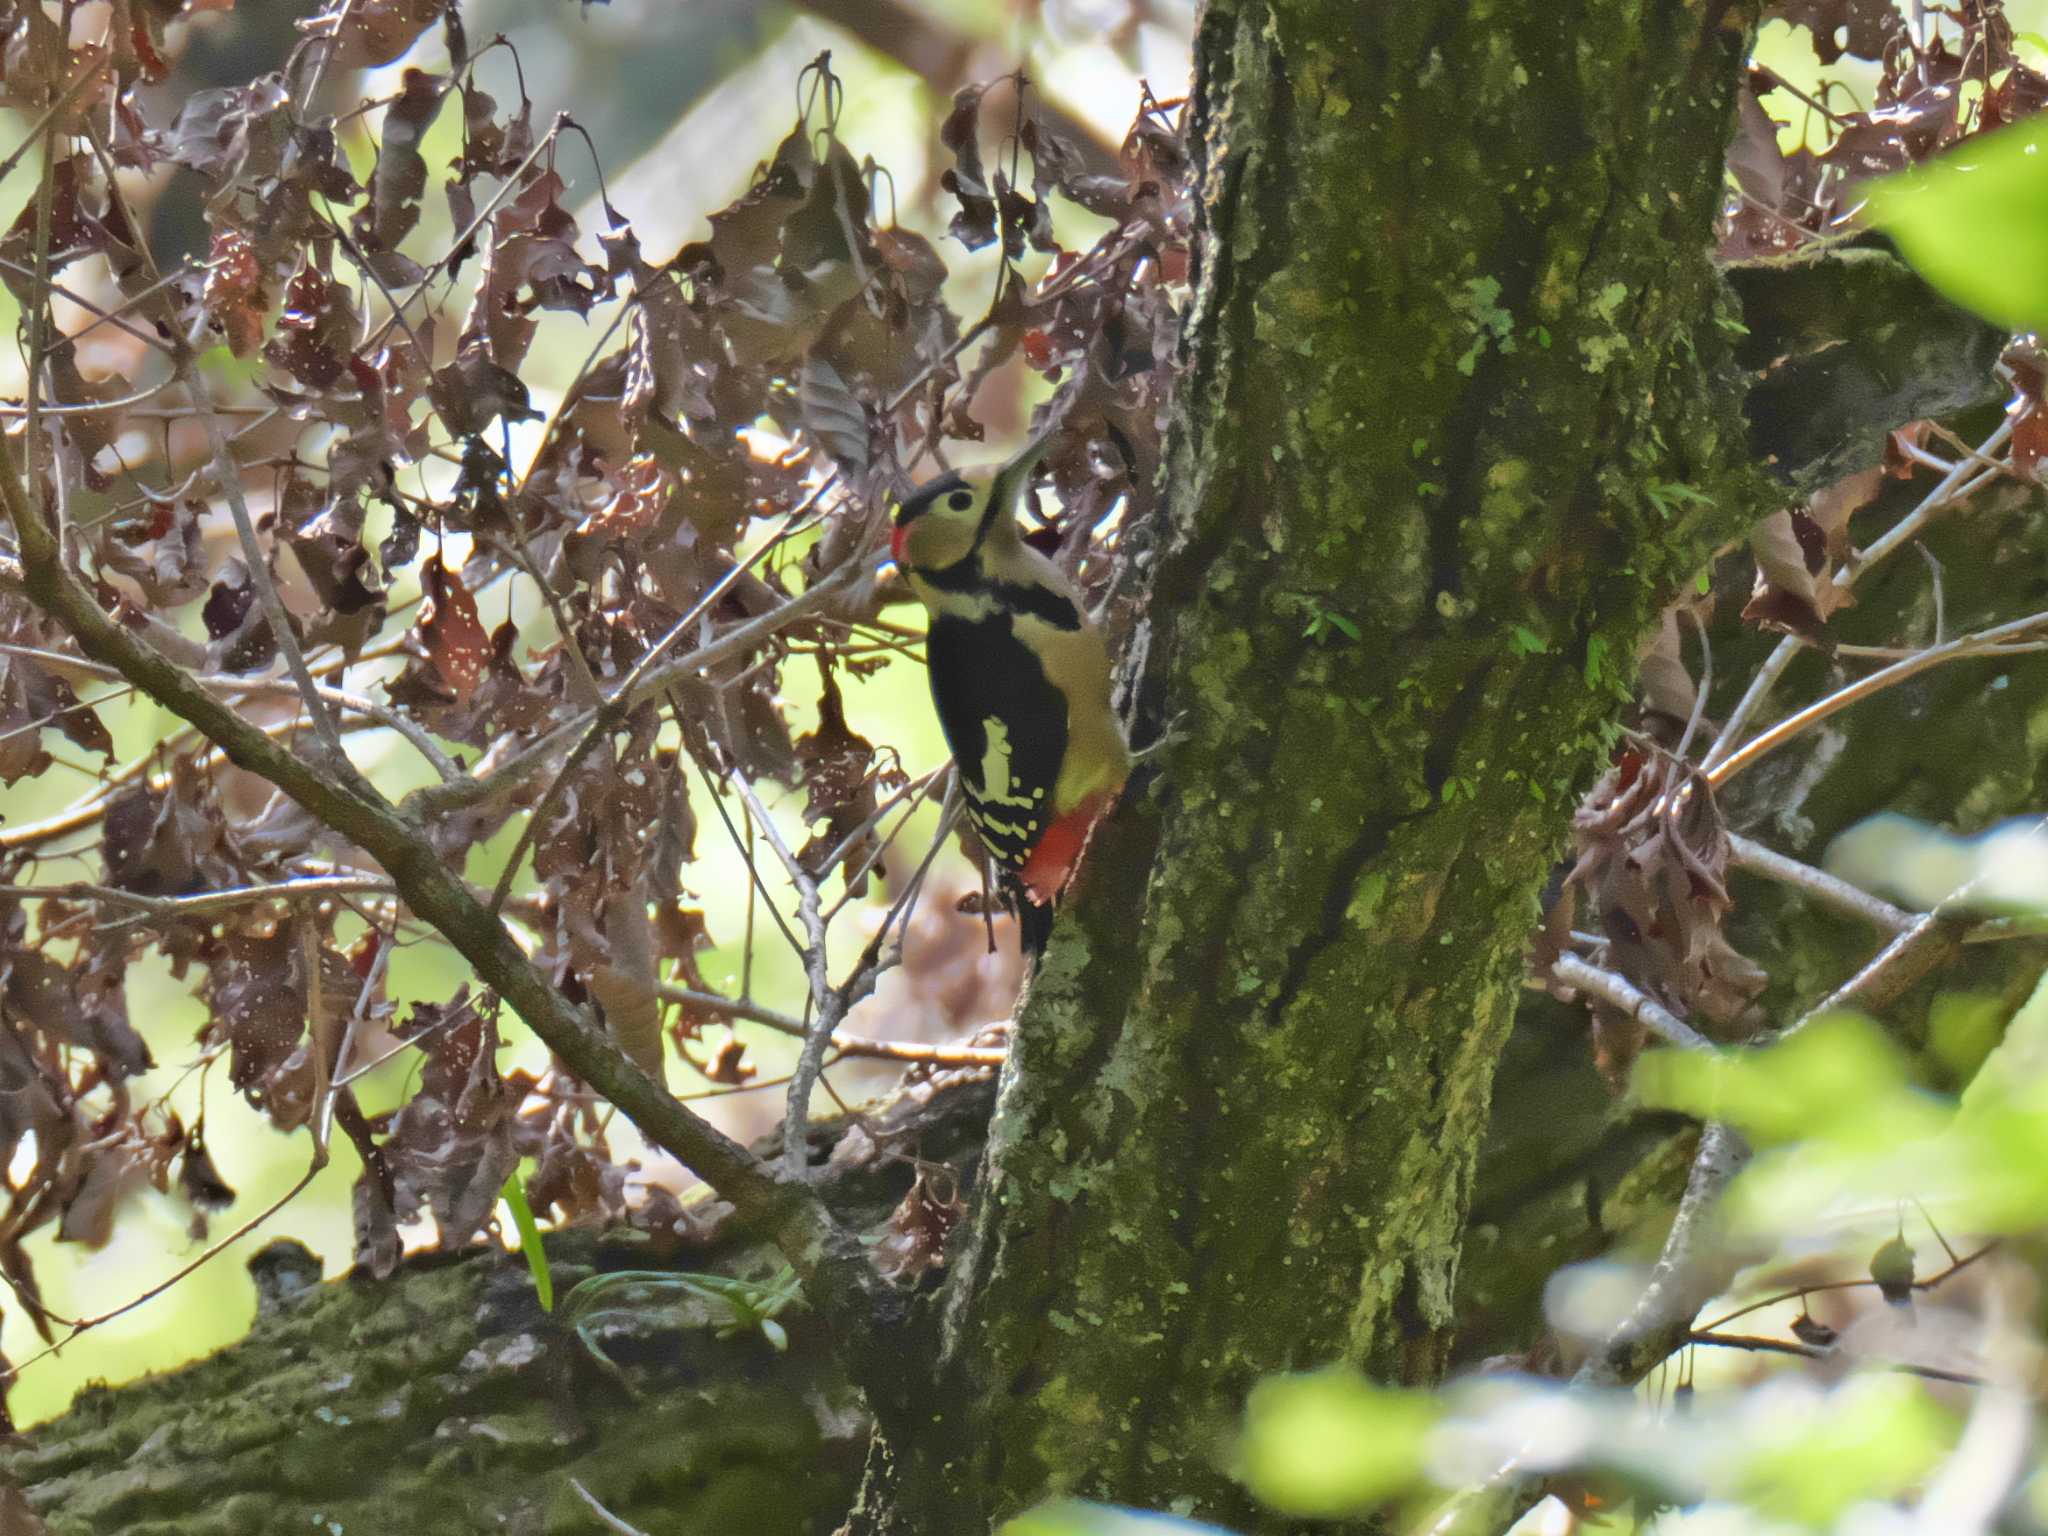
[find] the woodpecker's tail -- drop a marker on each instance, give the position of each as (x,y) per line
(1034,924)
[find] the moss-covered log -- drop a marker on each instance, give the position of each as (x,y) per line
(445,1399)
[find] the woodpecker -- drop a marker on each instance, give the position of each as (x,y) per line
(1020,681)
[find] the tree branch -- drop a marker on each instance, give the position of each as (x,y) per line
(1824,888)
(1991,639)
(843,1043)
(1631,1000)
(1955,486)
(827,1257)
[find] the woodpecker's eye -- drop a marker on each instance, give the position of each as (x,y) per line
(960,501)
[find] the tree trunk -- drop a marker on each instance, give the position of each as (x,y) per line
(1456,418)
(1458,414)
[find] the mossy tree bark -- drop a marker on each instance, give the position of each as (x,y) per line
(1457,418)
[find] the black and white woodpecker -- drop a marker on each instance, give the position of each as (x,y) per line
(1020,679)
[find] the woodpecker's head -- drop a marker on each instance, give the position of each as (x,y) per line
(949,517)
(940,522)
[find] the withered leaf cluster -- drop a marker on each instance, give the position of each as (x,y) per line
(1779,203)
(1647,894)
(1651,876)
(788,373)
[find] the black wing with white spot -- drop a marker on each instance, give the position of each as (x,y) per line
(1006,724)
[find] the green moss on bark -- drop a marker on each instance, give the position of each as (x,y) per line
(1453,377)
(444,1400)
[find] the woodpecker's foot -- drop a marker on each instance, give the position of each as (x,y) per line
(1172,734)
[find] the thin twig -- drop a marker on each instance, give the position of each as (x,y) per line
(1619,992)
(845,1044)
(510,185)
(101,316)
(85,76)
(939,781)
(1953,486)
(1797,1293)
(827,1003)
(416,1038)
(1898,672)
(227,473)
(610,712)
(87,1324)
(39,328)
(83,814)
(204,901)
(1764,1344)
(89,407)
(737,641)
(338,1072)
(605,1517)
(1826,889)
(746,853)
(1699,695)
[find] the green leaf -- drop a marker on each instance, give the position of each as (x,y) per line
(514,1195)
(1596,659)
(1962,1027)
(1878,1437)
(1664,494)
(2003,869)
(1839,1078)
(746,1304)
(1329,1443)
(1322,621)
(1975,223)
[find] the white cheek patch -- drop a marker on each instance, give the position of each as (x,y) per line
(996,785)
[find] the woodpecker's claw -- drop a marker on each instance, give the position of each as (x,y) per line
(1172,735)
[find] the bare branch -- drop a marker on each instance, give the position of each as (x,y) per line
(827,1003)
(610,713)
(1764,1344)
(1822,887)
(1957,484)
(1863,687)
(1621,993)
(842,1042)
(827,1257)
(737,641)
(1930,942)
(205,901)
(227,473)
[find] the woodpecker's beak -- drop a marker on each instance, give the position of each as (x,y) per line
(1015,475)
